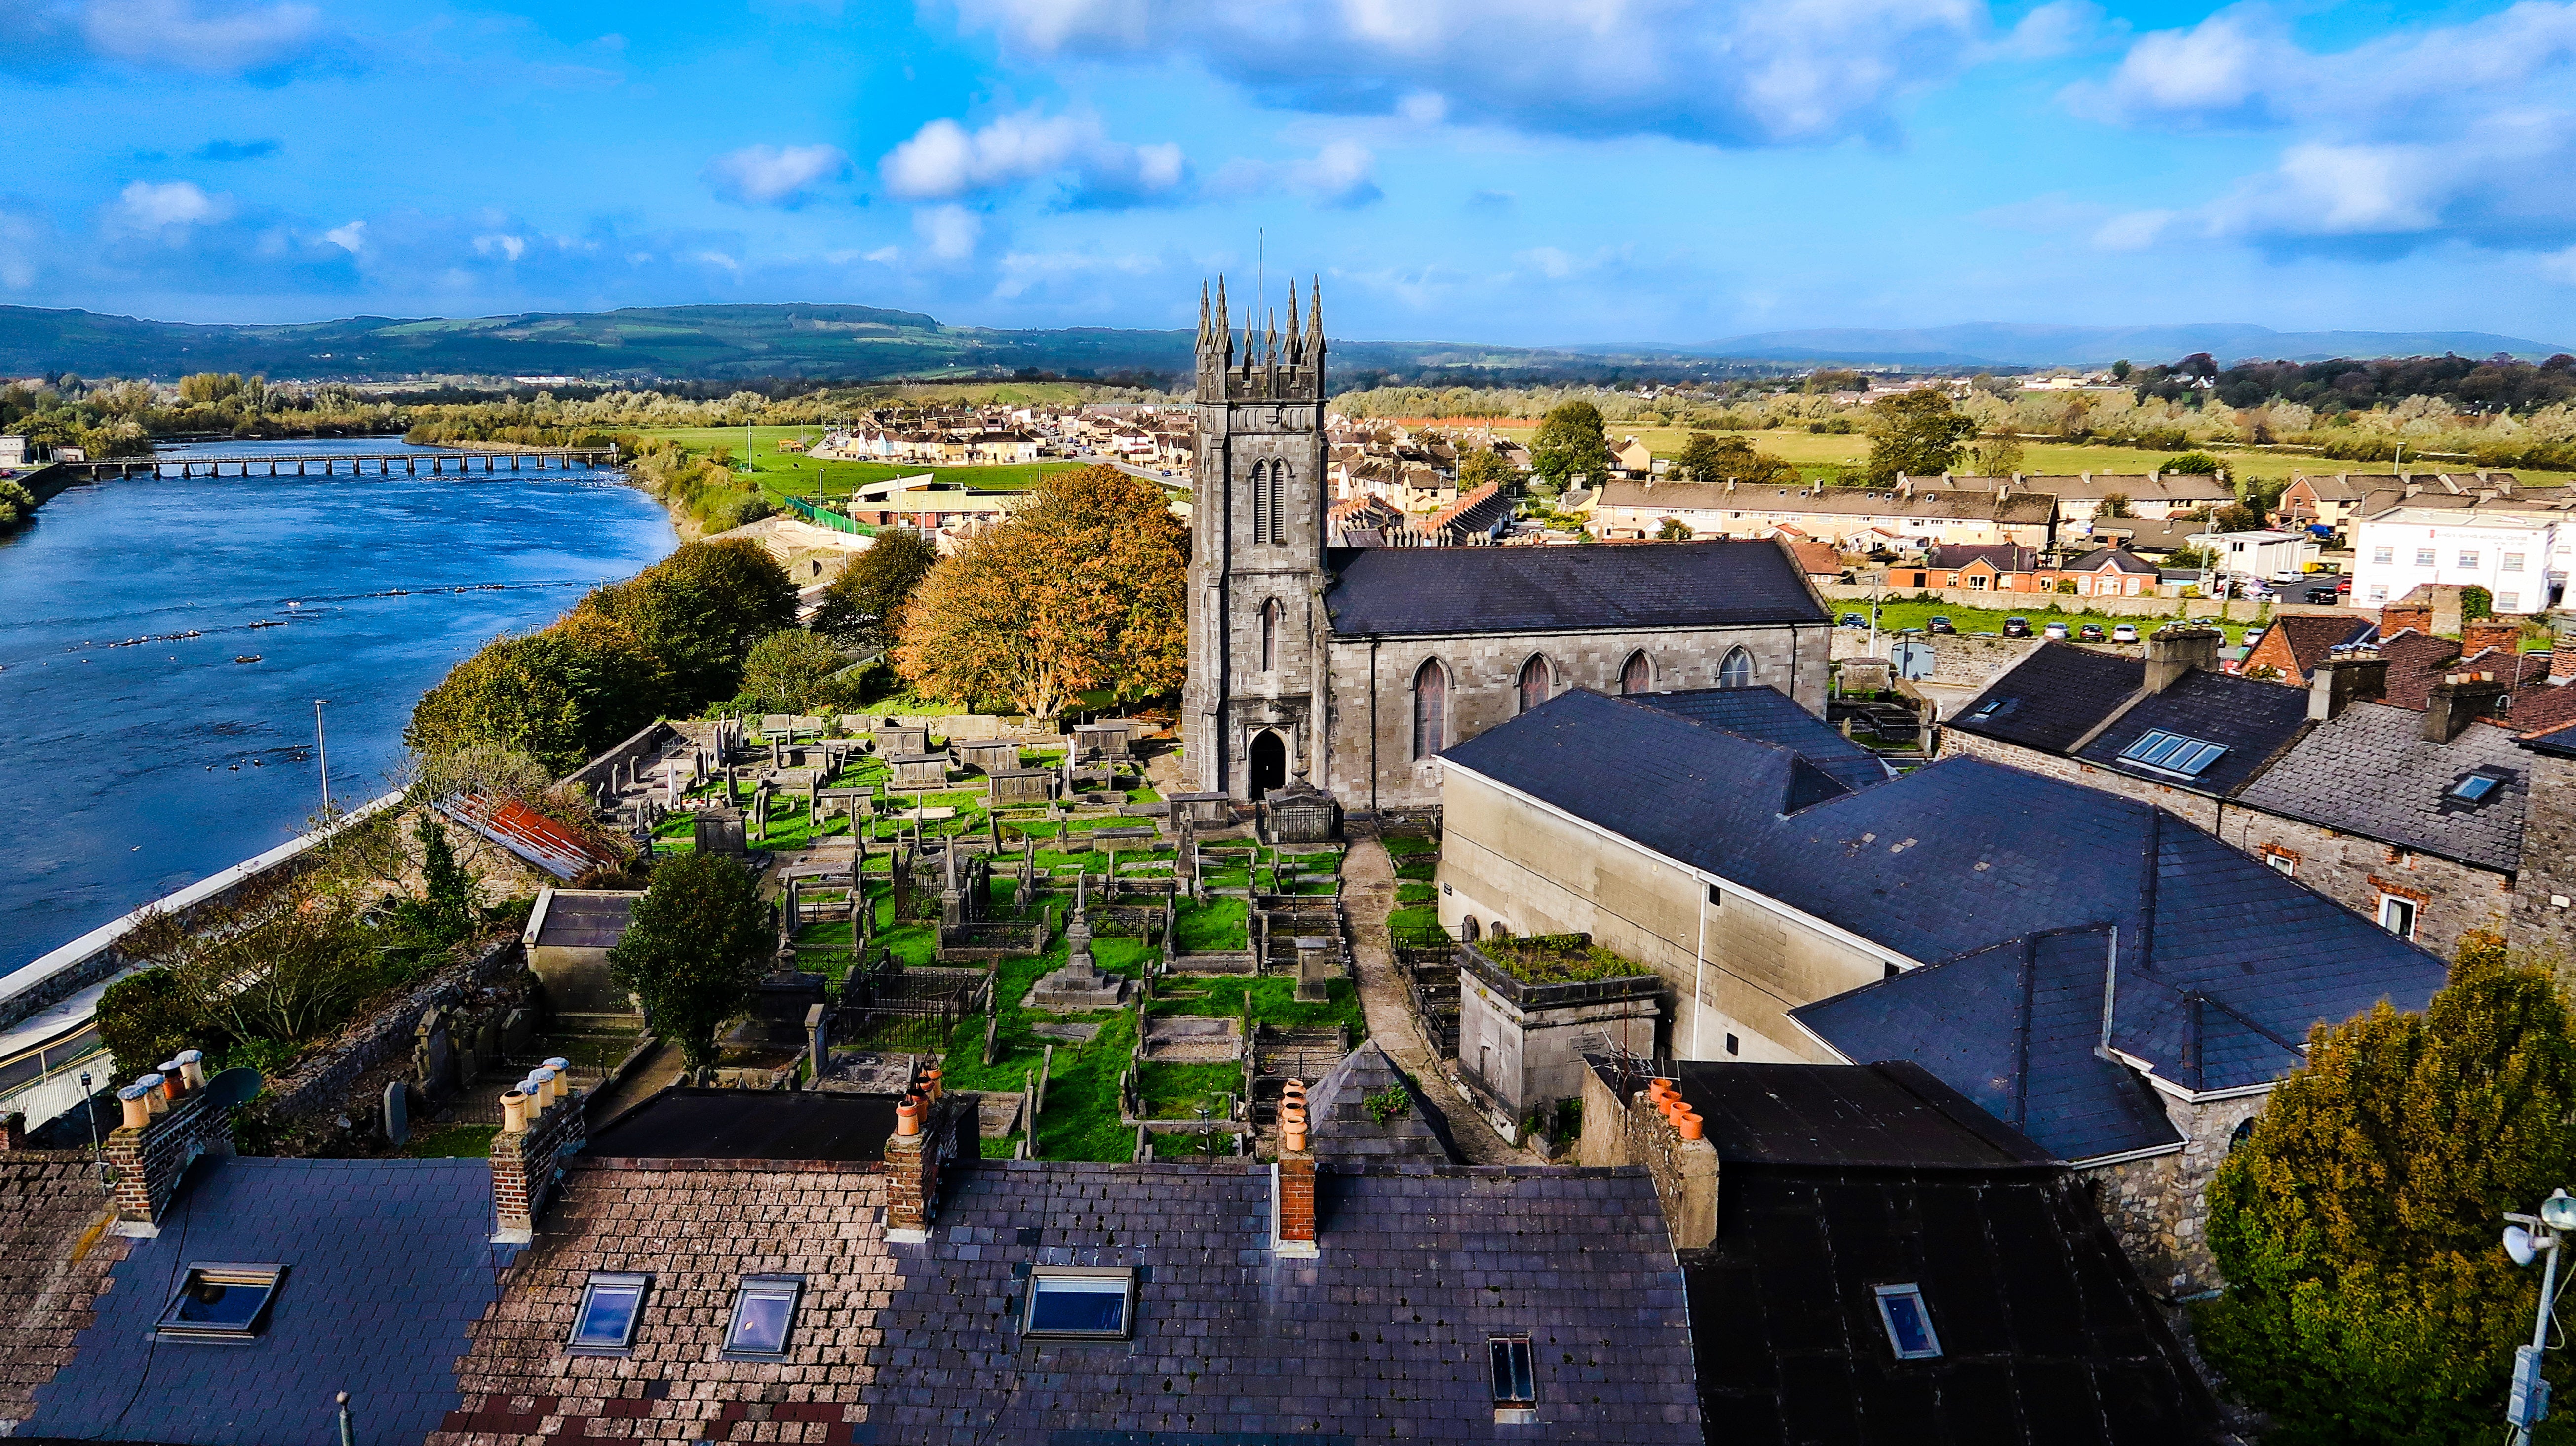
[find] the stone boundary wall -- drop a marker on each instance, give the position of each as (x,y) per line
(2031,604)
(646,742)
(94,959)
(1961,662)
(2159,1206)
(321,1085)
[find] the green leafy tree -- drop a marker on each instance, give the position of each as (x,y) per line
(1707,457)
(2476,602)
(696,946)
(2114,504)
(2194,464)
(1571,442)
(2367,1299)
(525,695)
(1916,433)
(697,612)
(790,671)
(146,1017)
(1482,465)
(863,607)
(1673,530)
(449,892)
(2237,517)
(1998,457)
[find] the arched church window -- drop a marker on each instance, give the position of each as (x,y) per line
(1278,502)
(1270,636)
(1736,671)
(1260,502)
(1430,709)
(1533,683)
(1638,676)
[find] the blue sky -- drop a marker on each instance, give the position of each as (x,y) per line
(1526,171)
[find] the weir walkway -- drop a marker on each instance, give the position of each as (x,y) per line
(268,464)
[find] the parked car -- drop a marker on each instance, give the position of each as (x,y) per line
(1853,620)
(2252,636)
(2016,627)
(2124,633)
(1941,624)
(2091,633)
(2056,631)
(2326,596)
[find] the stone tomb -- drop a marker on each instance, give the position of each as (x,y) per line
(1108,740)
(918,770)
(907,742)
(1008,787)
(1520,1045)
(720,831)
(989,754)
(1193,1039)
(1080,984)
(1300,814)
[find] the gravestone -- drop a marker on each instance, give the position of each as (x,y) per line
(1314,968)
(1079,984)
(918,770)
(1019,786)
(719,831)
(1300,813)
(989,754)
(397,1114)
(902,742)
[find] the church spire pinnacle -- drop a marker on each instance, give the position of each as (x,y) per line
(1296,344)
(1270,356)
(1204,334)
(1315,326)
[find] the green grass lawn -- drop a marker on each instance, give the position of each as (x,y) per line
(1402,844)
(1180,1091)
(783,474)
(1896,615)
(1212,926)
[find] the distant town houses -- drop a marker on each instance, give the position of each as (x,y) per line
(1852,518)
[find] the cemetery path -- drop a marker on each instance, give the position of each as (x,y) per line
(651,1073)
(1368,896)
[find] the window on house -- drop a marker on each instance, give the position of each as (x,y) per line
(1430,709)
(2513,562)
(2397,915)
(2383,556)
(221,1303)
(1736,671)
(2475,787)
(610,1306)
(2509,601)
(1533,683)
(2423,557)
(1713,897)
(2282,864)
(2173,753)
(1993,708)
(764,1311)
(2379,594)
(1908,1322)
(1638,675)
(2468,559)
(1515,1379)
(1081,1303)
(1733,1046)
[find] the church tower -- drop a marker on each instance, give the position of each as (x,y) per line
(1254,709)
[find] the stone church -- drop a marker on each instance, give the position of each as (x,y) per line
(1349,670)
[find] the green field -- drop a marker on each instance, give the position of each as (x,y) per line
(1895,615)
(785,474)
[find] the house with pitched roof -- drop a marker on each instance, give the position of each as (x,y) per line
(2102,976)
(2295,643)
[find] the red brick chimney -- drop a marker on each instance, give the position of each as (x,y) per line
(1292,1205)
(170,1120)
(536,1131)
(2501,633)
(924,1140)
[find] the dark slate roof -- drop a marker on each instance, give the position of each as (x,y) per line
(584,920)
(2253,719)
(2371,772)
(2113,559)
(1382,1335)
(1767,714)
(1627,586)
(388,1265)
(1957,858)
(1896,1115)
(2046,1335)
(1345,1130)
(2053,697)
(686,1122)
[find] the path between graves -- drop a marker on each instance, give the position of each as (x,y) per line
(1368,896)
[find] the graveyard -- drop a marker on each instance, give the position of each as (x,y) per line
(1117,974)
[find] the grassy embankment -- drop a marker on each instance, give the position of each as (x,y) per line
(786,474)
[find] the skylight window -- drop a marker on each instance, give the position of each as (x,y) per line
(1515,1381)
(2173,753)
(1909,1325)
(221,1303)
(610,1307)
(2475,787)
(764,1311)
(1074,1303)
(1994,708)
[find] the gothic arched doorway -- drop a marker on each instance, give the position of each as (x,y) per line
(1269,758)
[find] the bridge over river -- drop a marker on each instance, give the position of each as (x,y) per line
(292,464)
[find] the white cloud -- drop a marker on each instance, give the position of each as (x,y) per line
(215,39)
(1341,175)
(2459,132)
(775,175)
(164,207)
(2135,231)
(949,231)
(508,248)
(944,161)
(19,247)
(1730,72)
(351,238)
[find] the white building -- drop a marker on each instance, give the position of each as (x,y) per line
(2517,548)
(2263,554)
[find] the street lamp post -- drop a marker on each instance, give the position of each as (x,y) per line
(2527,1238)
(322,751)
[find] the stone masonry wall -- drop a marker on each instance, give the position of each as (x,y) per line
(2450,898)
(2159,1206)
(2543,916)
(1956,661)
(2194,808)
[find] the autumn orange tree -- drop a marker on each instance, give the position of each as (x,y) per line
(1083,588)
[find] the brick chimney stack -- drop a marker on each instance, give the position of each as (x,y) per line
(925,1139)
(539,1126)
(169,1120)
(2457,701)
(1292,1205)
(2335,682)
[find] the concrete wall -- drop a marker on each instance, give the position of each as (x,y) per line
(1484,689)
(1735,967)
(1957,662)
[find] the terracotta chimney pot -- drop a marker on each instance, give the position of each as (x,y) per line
(192,1067)
(155,1097)
(1689,1123)
(138,1110)
(514,1112)
(907,1116)
(173,1084)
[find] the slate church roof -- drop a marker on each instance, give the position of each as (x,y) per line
(387,1266)
(1960,857)
(1836,1181)
(1627,586)
(1384,1335)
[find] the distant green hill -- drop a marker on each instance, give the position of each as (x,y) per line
(680,343)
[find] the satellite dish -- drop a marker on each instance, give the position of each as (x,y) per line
(236,1086)
(2517,1243)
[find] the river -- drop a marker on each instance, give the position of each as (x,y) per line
(130,771)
